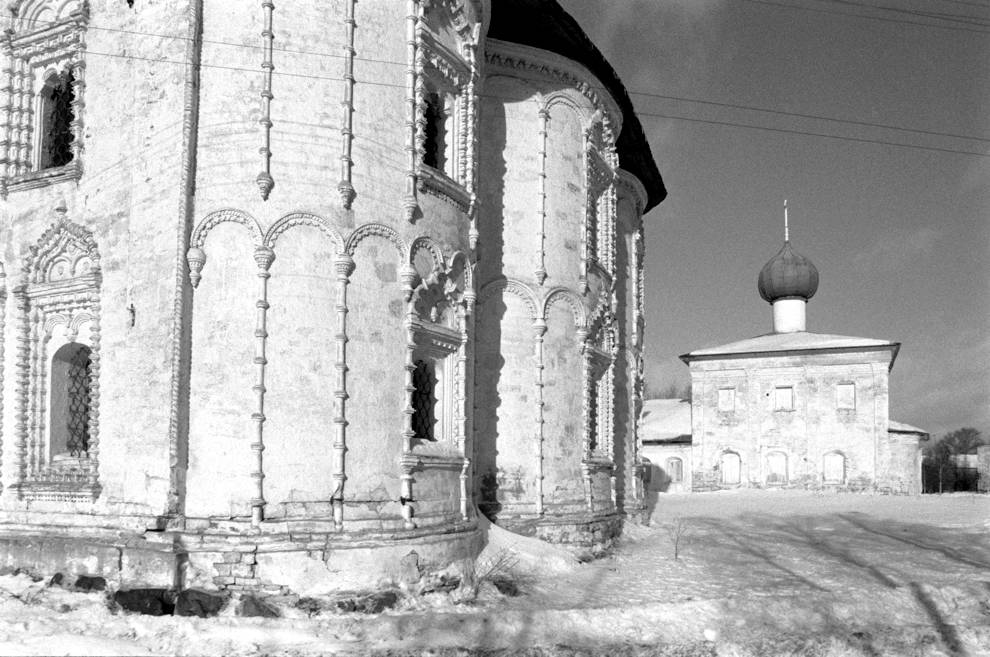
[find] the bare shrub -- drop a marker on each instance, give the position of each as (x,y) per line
(676,530)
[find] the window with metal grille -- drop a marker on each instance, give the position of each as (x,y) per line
(675,470)
(424,400)
(593,417)
(57,98)
(435,143)
(70,400)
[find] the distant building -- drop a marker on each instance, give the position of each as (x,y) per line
(665,428)
(795,409)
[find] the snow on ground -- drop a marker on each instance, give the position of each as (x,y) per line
(757,573)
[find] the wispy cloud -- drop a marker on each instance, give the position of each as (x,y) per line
(893,251)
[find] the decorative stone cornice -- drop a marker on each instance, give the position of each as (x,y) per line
(542,64)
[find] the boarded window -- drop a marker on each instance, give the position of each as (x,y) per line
(675,470)
(834,467)
(845,396)
(776,468)
(726,400)
(783,398)
(731,468)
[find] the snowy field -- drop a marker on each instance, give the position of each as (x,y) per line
(756,573)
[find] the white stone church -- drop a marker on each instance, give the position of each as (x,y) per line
(788,409)
(292,290)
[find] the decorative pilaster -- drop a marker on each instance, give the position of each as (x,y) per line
(408,276)
(23,115)
(465,474)
(78,68)
(539,331)
(541,200)
(92,473)
(344,266)
(264,180)
(22,351)
(264,257)
(586,393)
(411,202)
(346,187)
(3,341)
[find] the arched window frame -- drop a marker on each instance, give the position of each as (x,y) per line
(57,303)
(46,39)
(826,479)
(50,124)
(771,478)
(722,459)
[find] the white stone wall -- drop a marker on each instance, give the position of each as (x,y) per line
(814,428)
(557,297)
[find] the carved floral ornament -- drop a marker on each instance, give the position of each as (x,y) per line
(30,15)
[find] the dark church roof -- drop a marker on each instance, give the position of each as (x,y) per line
(544,24)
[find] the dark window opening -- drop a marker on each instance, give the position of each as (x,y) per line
(593,417)
(58,114)
(70,400)
(424,400)
(435,146)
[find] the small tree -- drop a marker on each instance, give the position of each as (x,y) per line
(963,441)
(939,455)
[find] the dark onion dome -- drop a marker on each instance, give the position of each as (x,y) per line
(788,275)
(545,25)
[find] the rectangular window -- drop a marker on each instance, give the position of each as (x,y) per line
(783,398)
(726,400)
(845,396)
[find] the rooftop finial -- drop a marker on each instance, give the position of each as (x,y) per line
(787,232)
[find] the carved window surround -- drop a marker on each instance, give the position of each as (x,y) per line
(60,297)
(450,78)
(439,345)
(35,49)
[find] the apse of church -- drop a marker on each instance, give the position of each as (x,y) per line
(311,284)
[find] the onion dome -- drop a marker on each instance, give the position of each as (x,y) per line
(788,275)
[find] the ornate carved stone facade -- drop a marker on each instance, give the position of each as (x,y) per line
(342,369)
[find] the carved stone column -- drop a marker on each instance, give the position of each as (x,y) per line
(539,331)
(264,257)
(344,266)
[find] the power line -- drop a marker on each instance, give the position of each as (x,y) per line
(637,93)
(649,114)
(809,116)
(960,18)
(813,134)
(865,17)
(985,7)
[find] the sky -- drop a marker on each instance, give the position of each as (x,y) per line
(900,236)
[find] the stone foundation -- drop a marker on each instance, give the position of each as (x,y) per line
(573,531)
(268,561)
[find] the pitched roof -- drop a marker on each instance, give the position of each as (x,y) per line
(788,342)
(900,427)
(544,24)
(665,420)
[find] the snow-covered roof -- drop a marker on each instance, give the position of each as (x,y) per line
(900,427)
(796,341)
(665,420)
